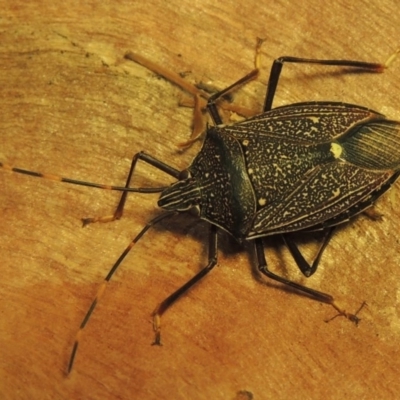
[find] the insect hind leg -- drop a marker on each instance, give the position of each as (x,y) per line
(277,66)
(306,268)
(312,293)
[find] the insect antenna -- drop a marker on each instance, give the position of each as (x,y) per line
(102,287)
(59,178)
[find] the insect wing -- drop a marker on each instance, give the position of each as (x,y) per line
(308,123)
(375,145)
(326,192)
(313,163)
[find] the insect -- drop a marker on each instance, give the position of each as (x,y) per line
(301,167)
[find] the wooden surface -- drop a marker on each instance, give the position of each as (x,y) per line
(71,105)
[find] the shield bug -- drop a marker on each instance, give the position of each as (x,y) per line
(301,167)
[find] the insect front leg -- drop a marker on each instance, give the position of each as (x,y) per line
(171,299)
(121,204)
(314,294)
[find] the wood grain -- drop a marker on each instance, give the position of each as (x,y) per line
(71,105)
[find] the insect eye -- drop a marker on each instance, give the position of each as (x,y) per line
(185,174)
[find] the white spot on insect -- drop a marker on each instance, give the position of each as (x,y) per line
(278,169)
(207,174)
(315,120)
(262,202)
(245,142)
(250,171)
(336,193)
(336,150)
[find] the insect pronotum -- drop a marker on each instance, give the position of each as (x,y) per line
(302,167)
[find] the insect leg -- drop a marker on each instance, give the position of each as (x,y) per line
(198,120)
(277,66)
(120,208)
(314,294)
(201,96)
(211,104)
(170,76)
(301,262)
(170,300)
(174,78)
